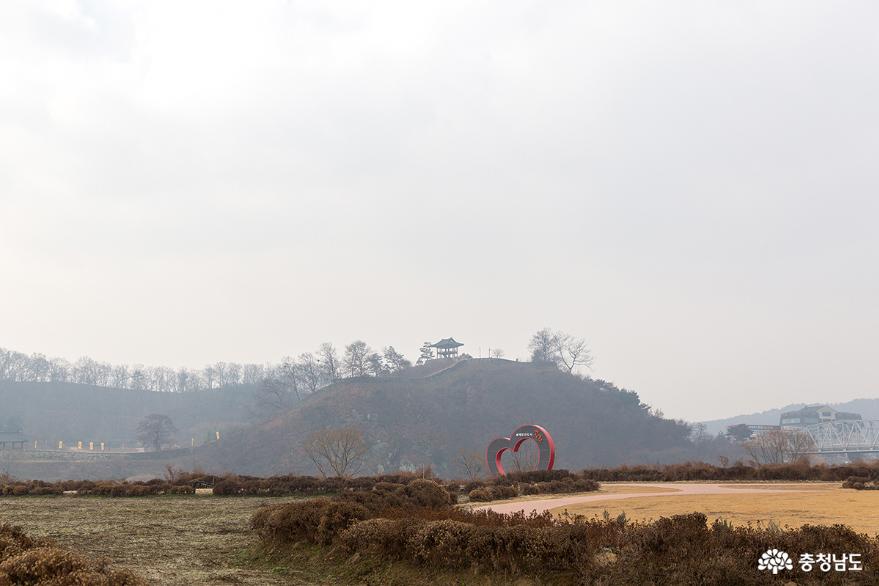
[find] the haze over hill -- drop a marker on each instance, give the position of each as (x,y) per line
(411,422)
(70,412)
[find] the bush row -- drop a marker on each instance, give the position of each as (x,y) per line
(502,490)
(514,484)
(24,560)
(801,470)
(178,482)
(682,549)
(89,488)
(861,483)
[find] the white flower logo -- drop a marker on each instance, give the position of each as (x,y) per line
(775,560)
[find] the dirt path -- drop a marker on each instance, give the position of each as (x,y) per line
(167,540)
(649,490)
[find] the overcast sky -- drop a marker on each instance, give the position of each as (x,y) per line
(691,186)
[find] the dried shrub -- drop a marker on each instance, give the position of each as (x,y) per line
(426,493)
(681,549)
(316,521)
(24,560)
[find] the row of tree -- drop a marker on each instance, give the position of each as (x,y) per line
(306,373)
(294,376)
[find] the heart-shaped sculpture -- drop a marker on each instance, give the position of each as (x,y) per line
(545,445)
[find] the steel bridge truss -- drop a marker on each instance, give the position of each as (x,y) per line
(843,437)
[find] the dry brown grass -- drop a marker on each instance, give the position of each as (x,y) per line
(826,504)
(167,540)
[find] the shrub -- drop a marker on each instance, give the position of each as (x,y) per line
(28,561)
(681,549)
(480,495)
(427,493)
(316,521)
(441,543)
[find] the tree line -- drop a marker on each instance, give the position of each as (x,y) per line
(294,377)
(305,373)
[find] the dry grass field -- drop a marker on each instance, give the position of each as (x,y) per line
(206,540)
(794,504)
(167,540)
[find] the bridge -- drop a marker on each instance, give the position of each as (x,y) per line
(843,437)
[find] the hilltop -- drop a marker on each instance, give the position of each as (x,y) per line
(410,420)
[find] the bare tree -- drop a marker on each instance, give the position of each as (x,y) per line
(572,352)
(471,463)
(288,376)
(329,361)
(564,350)
(252,374)
(59,370)
(799,442)
(544,347)
(309,371)
(527,458)
(778,446)
(278,391)
(496,353)
(340,451)
(355,358)
(119,377)
(138,378)
(156,431)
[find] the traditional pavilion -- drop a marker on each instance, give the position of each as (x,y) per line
(447,348)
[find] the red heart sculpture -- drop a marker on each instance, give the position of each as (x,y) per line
(545,445)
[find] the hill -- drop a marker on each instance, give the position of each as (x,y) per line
(867,408)
(74,412)
(411,421)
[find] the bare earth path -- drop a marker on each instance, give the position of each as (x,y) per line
(642,490)
(167,540)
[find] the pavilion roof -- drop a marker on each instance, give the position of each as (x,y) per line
(447,343)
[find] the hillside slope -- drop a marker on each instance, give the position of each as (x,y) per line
(410,422)
(73,412)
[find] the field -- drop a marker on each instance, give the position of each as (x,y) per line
(167,540)
(206,540)
(792,504)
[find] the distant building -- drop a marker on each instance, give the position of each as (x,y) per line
(813,414)
(12,440)
(447,348)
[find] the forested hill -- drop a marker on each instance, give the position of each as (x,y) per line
(410,422)
(71,412)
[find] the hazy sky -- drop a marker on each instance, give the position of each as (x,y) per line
(691,186)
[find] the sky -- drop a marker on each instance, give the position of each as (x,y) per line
(689,186)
